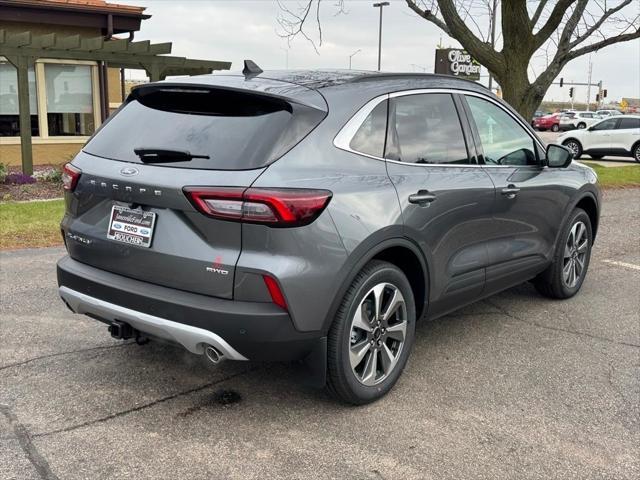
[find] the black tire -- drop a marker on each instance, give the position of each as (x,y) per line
(342,381)
(636,152)
(582,126)
(551,282)
(596,157)
(575,147)
(555,127)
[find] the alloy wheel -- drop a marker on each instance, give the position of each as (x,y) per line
(574,147)
(637,154)
(575,254)
(378,333)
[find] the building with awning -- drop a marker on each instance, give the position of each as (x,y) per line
(62,68)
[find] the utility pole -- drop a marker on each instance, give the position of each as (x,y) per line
(589,83)
(353,55)
(380,5)
(494,15)
(286,51)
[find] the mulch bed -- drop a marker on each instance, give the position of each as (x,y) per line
(31,191)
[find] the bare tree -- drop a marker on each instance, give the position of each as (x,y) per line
(559,31)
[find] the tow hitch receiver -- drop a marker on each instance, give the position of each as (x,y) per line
(121,330)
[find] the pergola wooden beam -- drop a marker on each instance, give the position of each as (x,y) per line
(24,48)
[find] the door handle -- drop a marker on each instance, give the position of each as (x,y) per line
(422,198)
(510,191)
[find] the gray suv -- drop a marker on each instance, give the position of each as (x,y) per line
(316,216)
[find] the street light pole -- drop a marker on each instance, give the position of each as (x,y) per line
(380,5)
(353,55)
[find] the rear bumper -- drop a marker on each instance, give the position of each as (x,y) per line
(240,330)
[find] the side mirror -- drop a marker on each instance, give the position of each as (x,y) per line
(558,156)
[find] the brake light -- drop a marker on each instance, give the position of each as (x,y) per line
(70,177)
(277,207)
(274,290)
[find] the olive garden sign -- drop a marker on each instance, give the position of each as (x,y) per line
(457,62)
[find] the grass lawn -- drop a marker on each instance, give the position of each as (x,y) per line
(616,177)
(32,224)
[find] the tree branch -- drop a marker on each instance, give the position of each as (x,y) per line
(553,22)
(601,44)
(599,23)
(538,13)
(429,16)
(570,27)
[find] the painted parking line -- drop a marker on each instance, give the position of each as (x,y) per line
(623,264)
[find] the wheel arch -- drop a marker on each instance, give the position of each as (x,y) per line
(400,252)
(588,203)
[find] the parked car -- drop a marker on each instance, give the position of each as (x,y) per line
(608,113)
(537,114)
(547,122)
(618,135)
(580,120)
(316,216)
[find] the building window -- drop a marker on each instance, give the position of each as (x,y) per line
(69,100)
(9,109)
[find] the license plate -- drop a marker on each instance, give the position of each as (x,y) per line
(134,227)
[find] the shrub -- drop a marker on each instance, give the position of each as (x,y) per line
(48,175)
(3,172)
(19,179)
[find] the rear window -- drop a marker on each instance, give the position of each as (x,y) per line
(236,130)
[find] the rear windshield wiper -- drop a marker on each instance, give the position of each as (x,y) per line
(159,155)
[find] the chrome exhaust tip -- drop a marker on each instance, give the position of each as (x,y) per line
(213,354)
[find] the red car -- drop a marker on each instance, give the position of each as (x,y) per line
(548,122)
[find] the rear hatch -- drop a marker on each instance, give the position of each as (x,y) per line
(128,213)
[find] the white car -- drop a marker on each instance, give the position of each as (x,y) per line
(608,113)
(580,120)
(619,136)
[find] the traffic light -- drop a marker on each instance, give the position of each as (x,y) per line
(597,97)
(561,81)
(604,93)
(571,92)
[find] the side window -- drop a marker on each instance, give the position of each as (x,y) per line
(504,141)
(425,128)
(629,123)
(608,124)
(370,136)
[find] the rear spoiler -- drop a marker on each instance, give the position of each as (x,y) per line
(284,101)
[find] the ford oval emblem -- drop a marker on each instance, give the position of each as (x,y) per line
(129,171)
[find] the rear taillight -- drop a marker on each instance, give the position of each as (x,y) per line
(70,177)
(277,207)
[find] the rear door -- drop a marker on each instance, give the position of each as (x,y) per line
(625,135)
(165,138)
(530,199)
(444,195)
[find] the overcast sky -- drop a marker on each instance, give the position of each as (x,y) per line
(233,30)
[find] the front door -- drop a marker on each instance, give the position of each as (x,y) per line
(446,198)
(598,138)
(529,202)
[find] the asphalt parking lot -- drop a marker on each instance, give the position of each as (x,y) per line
(517,386)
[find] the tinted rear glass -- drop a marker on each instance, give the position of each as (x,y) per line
(629,123)
(236,130)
